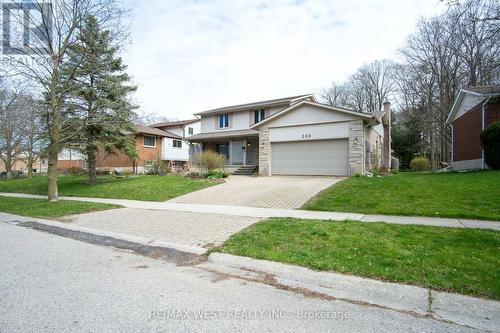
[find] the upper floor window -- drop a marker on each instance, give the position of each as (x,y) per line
(224,120)
(259,115)
(190,130)
(149,141)
(177,144)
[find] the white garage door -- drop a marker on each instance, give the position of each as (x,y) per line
(326,157)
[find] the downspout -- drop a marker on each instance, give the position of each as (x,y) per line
(452,146)
(483,125)
(365,171)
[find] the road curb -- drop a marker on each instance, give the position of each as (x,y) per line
(464,310)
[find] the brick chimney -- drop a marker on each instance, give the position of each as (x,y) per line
(386,122)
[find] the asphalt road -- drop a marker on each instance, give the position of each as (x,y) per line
(51,283)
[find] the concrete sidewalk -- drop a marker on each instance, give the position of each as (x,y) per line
(275,212)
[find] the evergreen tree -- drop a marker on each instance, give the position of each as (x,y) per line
(99,97)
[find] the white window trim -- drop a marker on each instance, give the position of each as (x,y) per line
(144,141)
(175,146)
(229,121)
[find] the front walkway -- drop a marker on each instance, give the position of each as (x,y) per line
(267,192)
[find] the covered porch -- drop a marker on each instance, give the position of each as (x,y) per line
(240,148)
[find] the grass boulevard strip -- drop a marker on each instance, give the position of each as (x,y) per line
(465,261)
(145,188)
(41,208)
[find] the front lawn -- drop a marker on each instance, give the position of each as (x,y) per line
(146,188)
(465,261)
(42,208)
(471,195)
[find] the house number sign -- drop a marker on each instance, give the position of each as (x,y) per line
(306,136)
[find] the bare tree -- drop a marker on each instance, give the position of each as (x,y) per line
(336,95)
(51,39)
(33,141)
(11,128)
(366,90)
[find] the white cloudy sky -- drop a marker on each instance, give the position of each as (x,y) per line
(192,55)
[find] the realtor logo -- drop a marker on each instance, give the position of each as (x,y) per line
(27,28)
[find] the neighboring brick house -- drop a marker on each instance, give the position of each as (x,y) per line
(148,145)
(475,108)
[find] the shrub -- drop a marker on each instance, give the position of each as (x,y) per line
(210,160)
(195,175)
(490,140)
(420,164)
(159,168)
(216,174)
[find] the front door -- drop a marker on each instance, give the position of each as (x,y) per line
(223,149)
(238,152)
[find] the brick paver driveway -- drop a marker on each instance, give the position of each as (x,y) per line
(268,192)
(207,229)
(186,228)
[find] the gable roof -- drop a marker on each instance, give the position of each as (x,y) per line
(475,96)
(154,131)
(175,123)
(324,106)
(260,104)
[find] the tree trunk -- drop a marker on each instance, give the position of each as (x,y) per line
(29,165)
(8,167)
(54,130)
(91,160)
(52,171)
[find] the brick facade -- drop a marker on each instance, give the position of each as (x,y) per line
(467,130)
(120,160)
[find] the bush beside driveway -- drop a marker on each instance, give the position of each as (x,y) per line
(146,188)
(465,261)
(470,195)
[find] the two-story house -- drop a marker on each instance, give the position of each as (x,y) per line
(293,136)
(179,151)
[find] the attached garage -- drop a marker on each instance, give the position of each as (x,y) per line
(312,139)
(322,157)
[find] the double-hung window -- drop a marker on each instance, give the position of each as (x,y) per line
(149,141)
(190,130)
(224,120)
(259,115)
(177,143)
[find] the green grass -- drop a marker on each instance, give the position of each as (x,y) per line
(147,188)
(42,208)
(465,261)
(473,195)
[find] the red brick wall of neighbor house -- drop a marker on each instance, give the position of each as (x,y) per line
(467,131)
(121,160)
(492,112)
(66,164)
